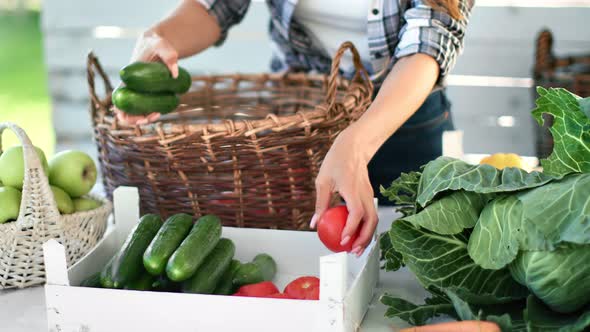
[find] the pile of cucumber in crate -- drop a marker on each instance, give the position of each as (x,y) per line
(181,255)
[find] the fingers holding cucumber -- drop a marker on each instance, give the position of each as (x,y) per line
(125,118)
(151,47)
(151,83)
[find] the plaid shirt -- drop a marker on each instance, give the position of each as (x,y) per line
(395,29)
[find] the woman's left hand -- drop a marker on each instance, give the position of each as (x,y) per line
(344,170)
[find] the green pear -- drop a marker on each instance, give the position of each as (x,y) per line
(9,204)
(64,202)
(85,204)
(73,171)
(12,166)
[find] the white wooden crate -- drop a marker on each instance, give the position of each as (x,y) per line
(346,289)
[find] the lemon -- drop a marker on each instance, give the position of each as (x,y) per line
(502,160)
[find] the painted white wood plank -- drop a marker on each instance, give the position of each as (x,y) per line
(133,310)
(481,101)
(362,290)
(126,207)
(59,14)
(71,120)
(507,58)
(67,52)
(476,110)
(56,266)
(134,14)
(494,23)
(524,21)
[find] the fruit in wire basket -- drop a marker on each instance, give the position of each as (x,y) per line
(63,201)
(12,166)
(85,204)
(9,204)
(73,171)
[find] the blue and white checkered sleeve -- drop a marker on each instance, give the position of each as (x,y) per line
(433,32)
(226,12)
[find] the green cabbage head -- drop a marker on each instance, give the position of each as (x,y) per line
(560,278)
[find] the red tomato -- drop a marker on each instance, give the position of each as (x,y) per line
(279,296)
(330,228)
(304,288)
(261,289)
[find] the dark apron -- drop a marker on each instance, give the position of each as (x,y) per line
(416,143)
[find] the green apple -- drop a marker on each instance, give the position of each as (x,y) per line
(9,204)
(85,204)
(73,171)
(64,202)
(12,166)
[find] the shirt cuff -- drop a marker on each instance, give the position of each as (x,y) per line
(434,33)
(427,40)
(226,13)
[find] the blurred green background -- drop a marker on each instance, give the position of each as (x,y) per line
(24,97)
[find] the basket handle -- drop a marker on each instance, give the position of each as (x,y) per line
(361,72)
(93,66)
(36,184)
(544,59)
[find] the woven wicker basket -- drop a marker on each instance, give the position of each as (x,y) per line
(244,147)
(571,73)
(21,254)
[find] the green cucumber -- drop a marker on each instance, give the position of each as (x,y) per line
(226,282)
(143,283)
(163,284)
(154,77)
(267,266)
(93,281)
(128,265)
(191,253)
(169,237)
(209,273)
(262,268)
(138,103)
(106,275)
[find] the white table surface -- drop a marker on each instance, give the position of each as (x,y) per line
(24,310)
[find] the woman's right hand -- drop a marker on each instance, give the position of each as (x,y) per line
(151,47)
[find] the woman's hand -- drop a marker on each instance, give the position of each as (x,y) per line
(344,170)
(188,30)
(151,47)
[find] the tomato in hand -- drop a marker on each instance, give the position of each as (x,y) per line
(304,288)
(261,289)
(330,227)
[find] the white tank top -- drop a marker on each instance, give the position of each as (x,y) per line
(332,22)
